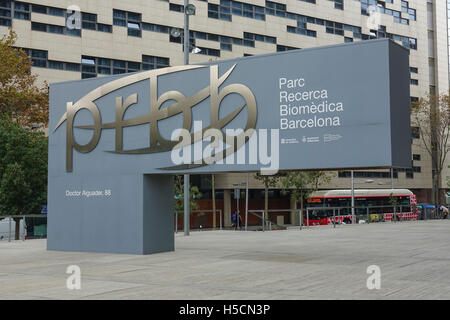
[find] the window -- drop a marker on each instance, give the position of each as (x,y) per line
(409,173)
(73,66)
(213,11)
(334,28)
(277,9)
(416,157)
(176,7)
(87,60)
(248,10)
(365,4)
(225,10)
(301,29)
(368,174)
(88,67)
(39,58)
(92,66)
(229,7)
(39,9)
(105,70)
(131,20)
(152,62)
(134,29)
(415,132)
(120,66)
(104,62)
(36,26)
(259,37)
(209,52)
(412,14)
(87,76)
(222,12)
(55,29)
(73,32)
(56,11)
(21,10)
(404,6)
(155,27)
(414,82)
(338,4)
(56,65)
(89,21)
(413,70)
(119,18)
(133,16)
(281,48)
(5,13)
(226,47)
(133,66)
(104,27)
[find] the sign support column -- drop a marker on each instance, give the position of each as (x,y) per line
(187,207)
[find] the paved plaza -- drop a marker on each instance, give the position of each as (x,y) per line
(315,263)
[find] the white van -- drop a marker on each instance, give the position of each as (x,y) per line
(4,229)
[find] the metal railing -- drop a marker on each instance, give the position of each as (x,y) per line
(343,215)
(260,214)
(197,226)
(333,216)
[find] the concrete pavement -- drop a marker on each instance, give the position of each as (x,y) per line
(315,263)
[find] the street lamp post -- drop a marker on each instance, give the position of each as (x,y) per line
(246,203)
(237,194)
(392,187)
(187,205)
(392,178)
(189,9)
(353,194)
(353,199)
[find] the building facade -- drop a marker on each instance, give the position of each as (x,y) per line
(113,37)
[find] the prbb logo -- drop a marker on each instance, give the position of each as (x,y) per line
(182,105)
(374,19)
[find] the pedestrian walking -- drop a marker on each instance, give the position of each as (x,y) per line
(234,220)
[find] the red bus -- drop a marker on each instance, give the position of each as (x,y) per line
(379,201)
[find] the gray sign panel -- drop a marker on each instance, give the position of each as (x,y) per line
(344,106)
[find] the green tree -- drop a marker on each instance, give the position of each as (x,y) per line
(23,170)
(303,183)
(269,181)
(393,200)
(431,114)
(320,177)
(21,99)
(179,194)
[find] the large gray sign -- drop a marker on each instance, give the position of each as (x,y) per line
(115,141)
